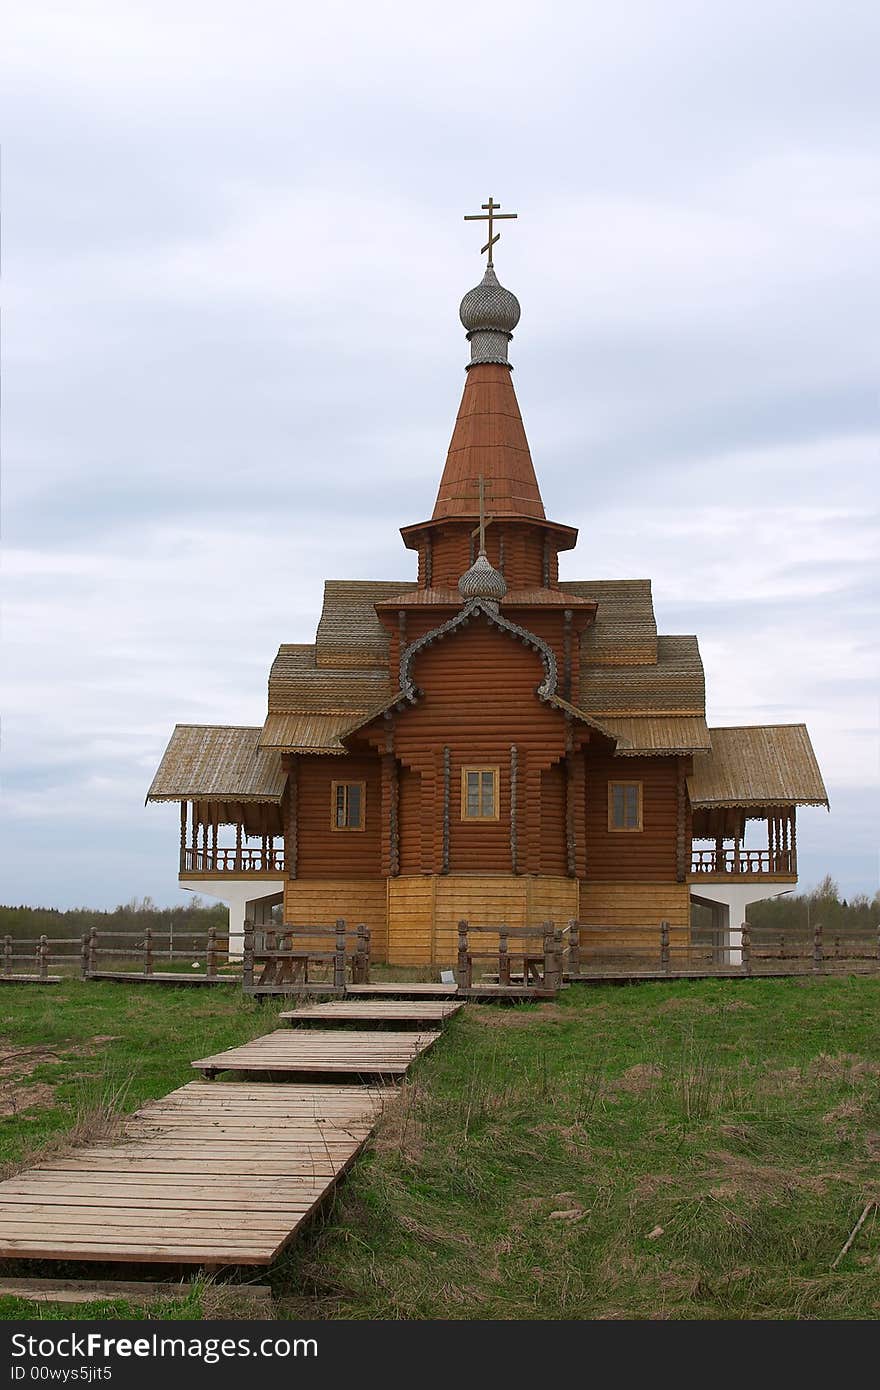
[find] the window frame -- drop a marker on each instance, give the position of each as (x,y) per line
(334,787)
(496,787)
(626,829)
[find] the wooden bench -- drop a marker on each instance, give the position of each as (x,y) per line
(291,960)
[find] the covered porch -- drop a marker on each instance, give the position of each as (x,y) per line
(232,797)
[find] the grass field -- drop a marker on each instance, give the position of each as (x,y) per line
(691,1150)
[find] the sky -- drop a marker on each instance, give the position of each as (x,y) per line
(233,253)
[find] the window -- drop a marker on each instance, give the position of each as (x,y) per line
(347,805)
(479,793)
(624,806)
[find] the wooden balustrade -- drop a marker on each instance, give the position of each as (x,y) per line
(293,961)
(542,966)
(241,859)
(751,862)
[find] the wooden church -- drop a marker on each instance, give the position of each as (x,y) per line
(485,740)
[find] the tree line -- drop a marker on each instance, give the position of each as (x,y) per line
(27,923)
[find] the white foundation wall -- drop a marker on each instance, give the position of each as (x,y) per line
(245,898)
(729,902)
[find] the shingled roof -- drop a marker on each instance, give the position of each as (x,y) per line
(758,765)
(625,630)
(211,762)
(349,633)
(659,735)
(675,685)
(298,683)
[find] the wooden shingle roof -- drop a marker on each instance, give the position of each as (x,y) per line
(658,735)
(307,732)
(298,683)
(489,439)
(675,685)
(625,630)
(349,633)
(211,762)
(760,765)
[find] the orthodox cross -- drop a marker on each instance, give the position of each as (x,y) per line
(482,487)
(490,215)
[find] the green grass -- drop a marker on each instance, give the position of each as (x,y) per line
(530,1160)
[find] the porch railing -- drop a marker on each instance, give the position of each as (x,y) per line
(253,860)
(751,862)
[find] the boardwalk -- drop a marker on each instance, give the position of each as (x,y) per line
(348,1051)
(386,989)
(424,1011)
(209,1175)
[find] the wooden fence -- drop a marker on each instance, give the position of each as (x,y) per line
(291,959)
(536,956)
(658,951)
(139,953)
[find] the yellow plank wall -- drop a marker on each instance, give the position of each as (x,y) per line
(424,911)
(612,907)
(321,901)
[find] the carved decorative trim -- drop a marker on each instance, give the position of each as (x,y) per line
(545,566)
(292,836)
(514,772)
(681,855)
(501,550)
(447,772)
(566,663)
(474,608)
(429,562)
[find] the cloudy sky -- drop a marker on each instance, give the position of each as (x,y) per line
(233,255)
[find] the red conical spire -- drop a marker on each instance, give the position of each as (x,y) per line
(489,441)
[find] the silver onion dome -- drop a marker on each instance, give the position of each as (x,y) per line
(489,314)
(482,580)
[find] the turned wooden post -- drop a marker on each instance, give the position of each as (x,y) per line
(84,957)
(339,956)
(238,847)
(503,957)
(247,956)
(817,946)
(552,957)
(574,947)
(463,969)
(148,951)
(211,952)
(43,958)
(360,971)
(7,954)
(93,950)
(746,948)
(664,947)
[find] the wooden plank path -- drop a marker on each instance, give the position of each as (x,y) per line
(163,977)
(427,1011)
(353,1052)
(212,1174)
(389,989)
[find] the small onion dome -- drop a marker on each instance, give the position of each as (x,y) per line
(489,307)
(482,580)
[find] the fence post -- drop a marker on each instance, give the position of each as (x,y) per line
(503,957)
(817,946)
(552,957)
(463,969)
(43,957)
(84,957)
(574,947)
(746,948)
(664,947)
(359,965)
(7,954)
(93,950)
(247,956)
(367,949)
(211,952)
(148,950)
(339,957)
